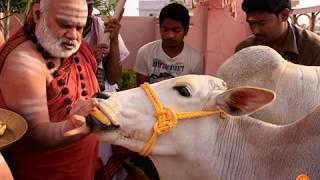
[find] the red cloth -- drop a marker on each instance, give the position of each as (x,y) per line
(76,161)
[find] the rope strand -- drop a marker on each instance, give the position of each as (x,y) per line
(167,118)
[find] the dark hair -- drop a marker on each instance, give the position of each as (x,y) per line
(269,6)
(177,12)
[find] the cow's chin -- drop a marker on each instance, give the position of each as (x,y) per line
(126,140)
(121,138)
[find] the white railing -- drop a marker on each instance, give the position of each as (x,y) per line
(307,17)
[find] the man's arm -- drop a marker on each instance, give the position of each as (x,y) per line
(113,64)
(5,172)
(23,85)
(141,67)
(2,40)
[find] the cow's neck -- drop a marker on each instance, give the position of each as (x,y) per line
(241,148)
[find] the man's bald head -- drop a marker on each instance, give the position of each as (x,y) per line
(80,5)
(59,28)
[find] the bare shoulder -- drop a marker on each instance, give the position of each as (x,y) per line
(23,76)
(24,60)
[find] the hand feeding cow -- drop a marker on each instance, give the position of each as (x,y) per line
(297,86)
(212,147)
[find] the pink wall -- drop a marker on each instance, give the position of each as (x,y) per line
(213,31)
(137,31)
(224,33)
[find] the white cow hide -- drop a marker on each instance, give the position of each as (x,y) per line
(240,148)
(297,86)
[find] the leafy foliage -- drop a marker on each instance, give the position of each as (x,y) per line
(106,7)
(15,6)
(128,80)
(10,8)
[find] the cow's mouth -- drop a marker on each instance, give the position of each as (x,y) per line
(97,121)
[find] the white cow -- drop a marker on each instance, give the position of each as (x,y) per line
(212,147)
(297,86)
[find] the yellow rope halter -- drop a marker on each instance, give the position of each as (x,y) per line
(167,118)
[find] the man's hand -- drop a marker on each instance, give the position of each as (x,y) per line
(113,27)
(76,124)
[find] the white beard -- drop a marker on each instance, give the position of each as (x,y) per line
(52,44)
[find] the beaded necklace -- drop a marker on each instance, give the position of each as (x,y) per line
(56,74)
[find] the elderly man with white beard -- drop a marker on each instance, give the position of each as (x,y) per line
(48,76)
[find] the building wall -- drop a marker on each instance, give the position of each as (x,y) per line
(151,7)
(137,31)
(223,34)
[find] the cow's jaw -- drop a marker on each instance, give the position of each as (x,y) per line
(130,133)
(121,138)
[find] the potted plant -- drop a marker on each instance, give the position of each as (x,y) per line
(12,8)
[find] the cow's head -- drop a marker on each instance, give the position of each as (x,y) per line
(134,112)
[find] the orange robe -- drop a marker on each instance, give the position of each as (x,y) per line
(76,161)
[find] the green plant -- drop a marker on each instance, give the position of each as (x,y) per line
(15,6)
(11,8)
(128,80)
(106,7)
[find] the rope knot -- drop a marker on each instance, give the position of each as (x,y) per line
(223,115)
(167,120)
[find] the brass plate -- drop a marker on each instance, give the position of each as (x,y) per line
(16,127)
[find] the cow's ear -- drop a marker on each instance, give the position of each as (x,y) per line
(244,100)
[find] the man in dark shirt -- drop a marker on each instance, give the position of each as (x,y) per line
(268,20)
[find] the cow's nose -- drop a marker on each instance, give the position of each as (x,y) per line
(101,95)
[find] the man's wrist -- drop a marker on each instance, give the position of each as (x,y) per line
(114,40)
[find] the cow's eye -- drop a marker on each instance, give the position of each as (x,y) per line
(183,91)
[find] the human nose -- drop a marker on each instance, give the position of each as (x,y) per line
(255,29)
(170,34)
(72,34)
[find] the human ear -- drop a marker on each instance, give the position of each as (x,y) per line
(36,12)
(284,14)
(186,31)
